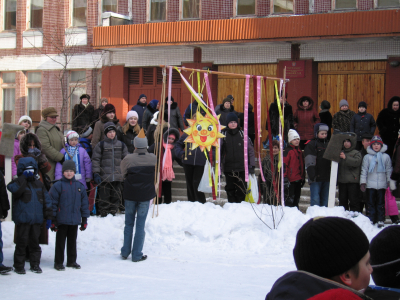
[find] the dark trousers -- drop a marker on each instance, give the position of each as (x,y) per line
(166,191)
(252,137)
(293,196)
(110,197)
(376,205)
(28,235)
(362,196)
(69,233)
(236,186)
(349,196)
(193,176)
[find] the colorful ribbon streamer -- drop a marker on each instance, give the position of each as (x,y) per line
(246,120)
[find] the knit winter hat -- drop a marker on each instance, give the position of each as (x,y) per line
(87,132)
(131,114)
(385,257)
(25,118)
(362,104)
(232,117)
(293,135)
(226,100)
(68,165)
(320,127)
(325,104)
(153,103)
(71,134)
(49,112)
(172,99)
(376,139)
(141,96)
(108,109)
(329,246)
(230,97)
(103,100)
(108,127)
(140,141)
(343,102)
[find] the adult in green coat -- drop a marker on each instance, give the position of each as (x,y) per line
(51,138)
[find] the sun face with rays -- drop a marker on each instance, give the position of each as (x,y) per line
(203,132)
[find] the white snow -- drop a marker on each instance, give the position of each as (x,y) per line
(195,251)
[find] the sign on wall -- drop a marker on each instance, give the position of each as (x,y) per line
(294,69)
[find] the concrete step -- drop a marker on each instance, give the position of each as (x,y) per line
(182,193)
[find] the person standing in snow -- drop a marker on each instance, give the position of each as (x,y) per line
(342,119)
(138,170)
(4,208)
(140,108)
(305,118)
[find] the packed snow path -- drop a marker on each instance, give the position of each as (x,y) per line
(195,251)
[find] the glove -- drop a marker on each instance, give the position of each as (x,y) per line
(88,179)
(393,184)
(53,227)
(28,175)
(48,224)
(83,225)
(62,161)
(363,187)
(5,214)
(97,178)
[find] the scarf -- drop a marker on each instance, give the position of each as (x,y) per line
(381,166)
(35,151)
(72,153)
(167,172)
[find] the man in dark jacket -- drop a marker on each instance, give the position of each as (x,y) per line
(274,118)
(361,123)
(388,122)
(326,116)
(224,109)
(4,208)
(138,172)
(152,108)
(140,107)
(250,123)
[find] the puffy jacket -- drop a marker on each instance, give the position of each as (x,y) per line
(294,167)
(98,132)
(224,113)
(140,108)
(350,167)
(362,123)
(52,141)
(17,151)
(382,293)
(106,159)
(128,134)
(375,180)
(342,120)
(232,151)
(388,122)
(84,162)
(175,118)
(194,157)
(326,118)
(82,117)
(31,202)
(69,201)
(4,202)
(305,119)
(148,116)
(138,169)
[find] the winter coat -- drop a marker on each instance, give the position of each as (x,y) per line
(31,202)
(98,132)
(232,151)
(326,118)
(382,293)
(194,157)
(52,141)
(128,134)
(69,201)
(318,168)
(82,117)
(302,285)
(375,180)
(138,170)
(294,167)
(274,119)
(148,116)
(86,144)
(250,121)
(140,108)
(4,202)
(175,132)
(188,112)
(362,123)
(305,119)
(97,114)
(388,123)
(350,167)
(16,152)
(396,162)
(106,159)
(84,162)
(342,120)
(224,112)
(150,130)
(175,118)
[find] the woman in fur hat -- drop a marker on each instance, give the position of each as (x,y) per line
(82,115)
(98,112)
(107,116)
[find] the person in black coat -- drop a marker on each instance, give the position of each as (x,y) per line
(152,108)
(82,115)
(98,112)
(362,123)
(250,123)
(326,116)
(140,107)
(274,117)
(388,123)
(175,118)
(224,109)
(4,208)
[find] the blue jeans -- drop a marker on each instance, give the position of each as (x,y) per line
(1,246)
(319,193)
(131,208)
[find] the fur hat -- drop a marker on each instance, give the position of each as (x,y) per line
(232,117)
(85,96)
(362,104)
(325,104)
(71,134)
(292,134)
(25,118)
(376,139)
(140,141)
(108,109)
(131,114)
(329,246)
(49,112)
(226,100)
(68,165)
(343,102)
(87,132)
(109,126)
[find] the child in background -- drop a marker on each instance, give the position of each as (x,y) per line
(17,151)
(375,178)
(86,139)
(71,208)
(362,123)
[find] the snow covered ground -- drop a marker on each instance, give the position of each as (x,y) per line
(194,251)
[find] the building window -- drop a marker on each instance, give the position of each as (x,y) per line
(388,3)
(77,87)
(340,4)
(110,5)
(190,9)
(79,11)
(10,14)
(246,7)
(34,87)
(8,86)
(283,6)
(36,14)
(158,10)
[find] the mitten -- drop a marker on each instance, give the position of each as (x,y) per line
(83,224)
(363,187)
(393,185)
(48,224)
(97,178)
(28,175)
(53,227)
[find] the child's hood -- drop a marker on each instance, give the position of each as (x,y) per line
(371,151)
(25,162)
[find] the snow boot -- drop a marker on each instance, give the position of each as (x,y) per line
(4,269)
(73,265)
(20,271)
(144,257)
(381,224)
(36,269)
(124,257)
(59,267)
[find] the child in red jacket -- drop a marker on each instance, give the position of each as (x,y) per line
(294,169)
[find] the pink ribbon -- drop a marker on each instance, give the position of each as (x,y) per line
(246,120)
(259,123)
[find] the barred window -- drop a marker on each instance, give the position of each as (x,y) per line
(283,6)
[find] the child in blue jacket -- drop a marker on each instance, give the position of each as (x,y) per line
(31,205)
(70,208)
